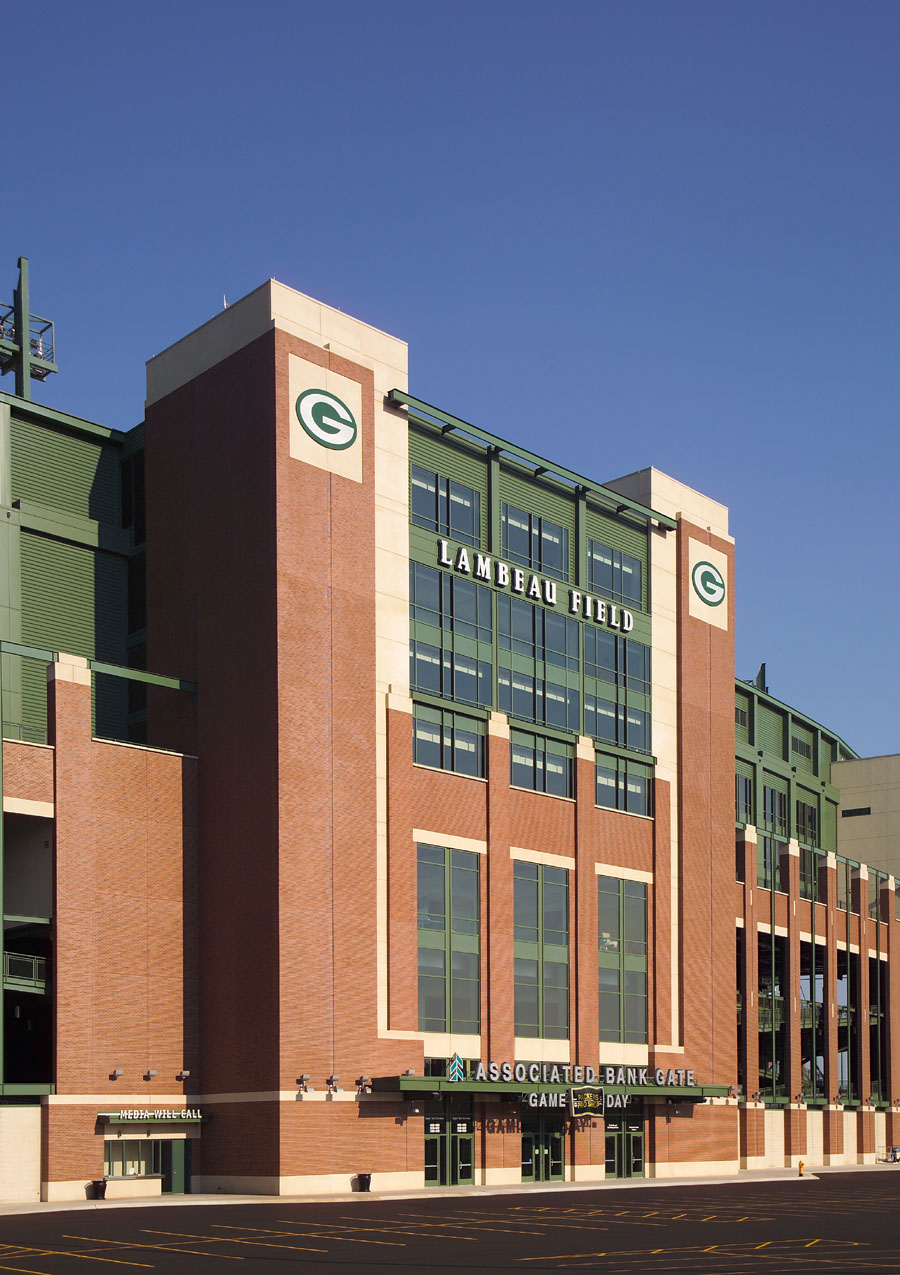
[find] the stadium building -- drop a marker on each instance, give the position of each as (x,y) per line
(378,799)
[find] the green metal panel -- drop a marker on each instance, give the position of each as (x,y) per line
(742,730)
(805,736)
(55,468)
(744,769)
(777,783)
(453,459)
(826,754)
(770,730)
(829,825)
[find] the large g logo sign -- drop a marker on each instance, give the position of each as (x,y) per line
(709,584)
(326,419)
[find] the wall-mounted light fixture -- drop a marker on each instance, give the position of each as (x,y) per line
(116,1073)
(334,1085)
(183,1074)
(303,1084)
(148,1075)
(364,1084)
(757,1095)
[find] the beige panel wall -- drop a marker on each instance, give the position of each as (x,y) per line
(20,1154)
(872,782)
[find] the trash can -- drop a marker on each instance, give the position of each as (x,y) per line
(98,1189)
(364,1181)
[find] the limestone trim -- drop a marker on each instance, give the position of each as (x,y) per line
(450,841)
(624,874)
(542,856)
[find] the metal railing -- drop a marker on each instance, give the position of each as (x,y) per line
(20,968)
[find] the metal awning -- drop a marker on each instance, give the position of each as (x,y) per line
(512,1090)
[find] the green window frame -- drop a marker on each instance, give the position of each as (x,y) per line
(845,869)
(449,950)
(807,821)
(132,1158)
(812,862)
(541,950)
(541,764)
(444,505)
(614,574)
(446,740)
(534,542)
(451,636)
(772,864)
(775,810)
(622,960)
(743,799)
(622,784)
(538,664)
(616,689)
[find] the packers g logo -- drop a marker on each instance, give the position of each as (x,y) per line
(326,419)
(708,583)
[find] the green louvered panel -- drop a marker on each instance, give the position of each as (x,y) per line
(825,758)
(64,472)
(744,705)
(775,782)
(534,498)
(770,730)
(829,825)
(452,460)
(73,600)
(745,769)
(804,737)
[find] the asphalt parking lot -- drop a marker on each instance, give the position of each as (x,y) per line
(839,1222)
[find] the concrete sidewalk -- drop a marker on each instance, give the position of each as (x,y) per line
(746,1177)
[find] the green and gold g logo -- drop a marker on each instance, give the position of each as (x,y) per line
(326,419)
(709,584)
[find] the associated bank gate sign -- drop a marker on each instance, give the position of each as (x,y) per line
(581,1079)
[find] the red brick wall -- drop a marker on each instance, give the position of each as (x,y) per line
(27,771)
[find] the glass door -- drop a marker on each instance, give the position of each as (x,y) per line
(543,1146)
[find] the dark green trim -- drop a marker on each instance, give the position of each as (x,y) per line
(450,705)
(53,522)
(26,1090)
(49,416)
(604,495)
(441,1085)
(136,675)
(602,748)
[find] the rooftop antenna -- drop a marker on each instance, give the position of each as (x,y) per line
(26,340)
(761,680)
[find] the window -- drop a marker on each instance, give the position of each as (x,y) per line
(847,872)
(807,823)
(616,689)
(541,950)
(538,665)
(743,799)
(623,785)
(614,574)
(740,716)
(544,765)
(775,810)
(445,506)
(448,741)
(853,814)
(450,646)
(812,1019)
(534,542)
(132,1159)
(622,960)
(810,862)
(801,747)
(772,862)
(877,883)
(448,927)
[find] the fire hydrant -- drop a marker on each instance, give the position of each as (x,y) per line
(800,1169)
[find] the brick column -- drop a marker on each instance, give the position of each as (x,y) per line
(498,1029)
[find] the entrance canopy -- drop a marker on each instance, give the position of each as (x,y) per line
(512,1090)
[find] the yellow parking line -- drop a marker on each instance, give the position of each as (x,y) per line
(810,1244)
(310,1235)
(163,1248)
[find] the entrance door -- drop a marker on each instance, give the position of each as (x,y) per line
(625,1143)
(175,1166)
(543,1146)
(449,1143)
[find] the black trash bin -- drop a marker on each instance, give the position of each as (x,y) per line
(364,1181)
(98,1189)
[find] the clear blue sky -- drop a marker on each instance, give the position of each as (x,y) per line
(623,234)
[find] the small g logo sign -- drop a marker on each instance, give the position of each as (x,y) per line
(326,419)
(708,583)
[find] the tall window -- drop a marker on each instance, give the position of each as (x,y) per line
(535,542)
(775,810)
(445,506)
(847,873)
(847,985)
(773,989)
(448,741)
(544,765)
(879,1019)
(541,950)
(616,689)
(538,664)
(450,645)
(877,883)
(614,574)
(623,785)
(808,823)
(622,960)
(812,1019)
(449,979)
(812,863)
(772,864)
(743,799)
